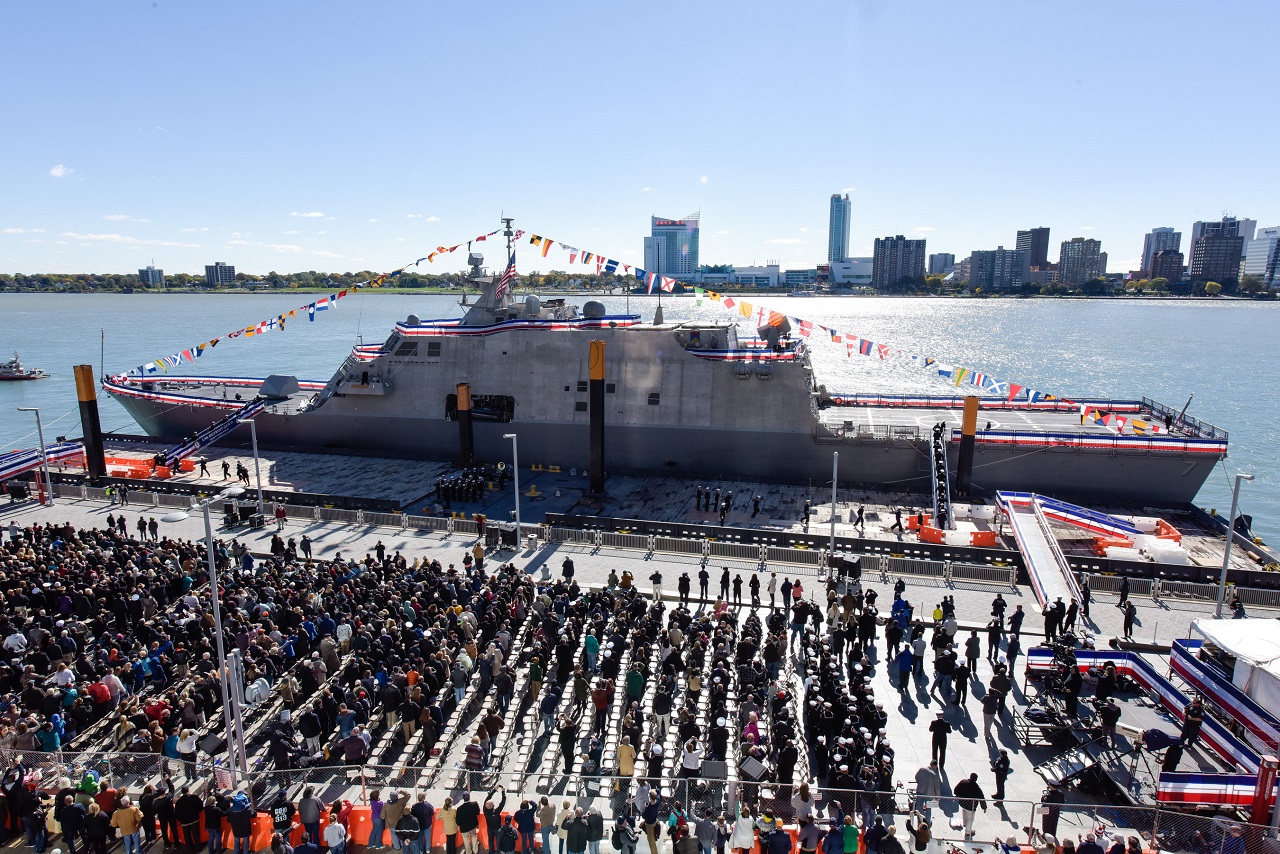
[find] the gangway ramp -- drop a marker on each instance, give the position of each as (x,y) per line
(1047,567)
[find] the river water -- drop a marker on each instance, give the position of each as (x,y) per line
(1166,350)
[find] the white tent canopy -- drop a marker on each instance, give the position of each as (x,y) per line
(1255,644)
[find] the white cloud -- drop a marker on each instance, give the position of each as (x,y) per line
(21,230)
(433,219)
(784,241)
(646,189)
(1086,228)
(60,171)
(124,218)
(308,214)
(238,243)
(375,220)
(806,228)
(293,231)
(723,231)
(413,216)
(704,179)
(924,228)
(326,231)
(284,247)
(325,253)
(206,228)
(125,240)
(846,189)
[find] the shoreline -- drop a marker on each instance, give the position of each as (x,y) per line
(686,295)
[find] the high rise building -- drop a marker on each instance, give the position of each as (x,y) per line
(838,229)
(1035,242)
(1228,226)
(1081,260)
(896,259)
(1216,258)
(999,269)
(941,263)
(1166,264)
(150,277)
(1262,257)
(1158,240)
(672,247)
(219,273)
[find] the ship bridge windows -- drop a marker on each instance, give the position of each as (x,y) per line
(433,349)
(407,348)
(582,386)
(484,407)
(655,398)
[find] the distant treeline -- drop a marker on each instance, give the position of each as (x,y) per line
(125,282)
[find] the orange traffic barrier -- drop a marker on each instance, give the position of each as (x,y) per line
(1165,531)
(187,464)
(913,521)
(930,534)
(983,538)
(1101,544)
(164,472)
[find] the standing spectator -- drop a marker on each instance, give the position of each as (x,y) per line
(970,796)
(187,811)
(309,809)
(595,829)
(128,820)
(241,820)
(1001,768)
(940,729)
(526,821)
(468,818)
(97,827)
(546,823)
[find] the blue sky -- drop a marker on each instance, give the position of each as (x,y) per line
(344,136)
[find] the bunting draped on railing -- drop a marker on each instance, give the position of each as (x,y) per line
(214,432)
(958,376)
(15,463)
(277,323)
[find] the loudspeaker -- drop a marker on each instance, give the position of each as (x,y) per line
(213,744)
(713,770)
(751,768)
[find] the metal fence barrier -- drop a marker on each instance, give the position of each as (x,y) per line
(574,536)
(624,541)
(426,523)
(297,511)
(739,551)
(1111,584)
(386,520)
(983,573)
(803,557)
(911,566)
(679,545)
(333,514)
(1166,589)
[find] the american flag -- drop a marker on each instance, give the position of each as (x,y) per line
(508,276)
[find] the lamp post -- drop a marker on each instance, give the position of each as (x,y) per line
(835,460)
(1231,535)
(515,468)
(44,458)
(230,709)
(257,471)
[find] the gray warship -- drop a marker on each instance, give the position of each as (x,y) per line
(694,399)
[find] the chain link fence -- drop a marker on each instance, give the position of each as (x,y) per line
(953,822)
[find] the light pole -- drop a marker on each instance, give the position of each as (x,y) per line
(835,460)
(257,471)
(44,458)
(1231,535)
(230,709)
(515,469)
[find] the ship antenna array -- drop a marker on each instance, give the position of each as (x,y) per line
(508,233)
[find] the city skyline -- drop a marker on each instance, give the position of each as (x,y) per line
(337,159)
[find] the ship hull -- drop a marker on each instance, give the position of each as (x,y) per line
(1146,477)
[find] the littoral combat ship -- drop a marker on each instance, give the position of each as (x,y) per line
(677,399)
